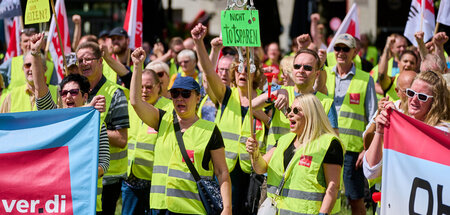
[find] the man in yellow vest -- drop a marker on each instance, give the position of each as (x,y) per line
(12,68)
(21,98)
(115,117)
(354,96)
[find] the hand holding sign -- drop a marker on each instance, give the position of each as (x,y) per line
(198,32)
(99,103)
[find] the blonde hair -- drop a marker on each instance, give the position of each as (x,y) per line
(439,110)
(316,121)
(287,65)
(158,65)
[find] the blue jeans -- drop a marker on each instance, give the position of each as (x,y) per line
(353,179)
(135,201)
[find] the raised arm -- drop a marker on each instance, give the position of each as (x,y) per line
(216,85)
(383,64)
(76,31)
(421,45)
(147,112)
(40,86)
(315,34)
(439,40)
(216,46)
(118,67)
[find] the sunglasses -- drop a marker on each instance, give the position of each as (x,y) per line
(296,110)
(160,74)
(184,93)
(305,67)
(421,96)
(27,65)
(344,49)
(73,92)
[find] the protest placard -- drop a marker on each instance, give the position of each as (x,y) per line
(240,28)
(37,11)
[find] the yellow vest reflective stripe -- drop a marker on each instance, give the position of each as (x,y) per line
(18,76)
(143,149)
(118,156)
(331,60)
(280,124)
(391,91)
(351,117)
(235,133)
(98,206)
(305,185)
(20,100)
(372,55)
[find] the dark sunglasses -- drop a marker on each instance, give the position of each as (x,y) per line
(160,74)
(73,92)
(305,67)
(296,110)
(27,65)
(421,96)
(344,49)
(184,93)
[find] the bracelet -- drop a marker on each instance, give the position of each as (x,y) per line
(379,133)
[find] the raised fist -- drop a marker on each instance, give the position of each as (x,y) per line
(76,19)
(216,43)
(198,32)
(303,41)
(440,38)
(36,42)
(138,56)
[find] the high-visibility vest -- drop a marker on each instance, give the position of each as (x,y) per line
(18,75)
(109,73)
(331,60)
(118,156)
(280,123)
(305,185)
(20,100)
(173,68)
(374,71)
(173,186)
(372,55)
(351,117)
(200,106)
(391,91)
(235,133)
(98,206)
(141,151)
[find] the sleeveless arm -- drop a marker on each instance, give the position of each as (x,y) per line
(332,178)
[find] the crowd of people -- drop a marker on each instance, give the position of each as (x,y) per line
(311,122)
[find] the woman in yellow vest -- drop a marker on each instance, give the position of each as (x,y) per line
(173,189)
(233,118)
(309,158)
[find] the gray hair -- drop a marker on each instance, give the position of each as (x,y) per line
(158,65)
(187,52)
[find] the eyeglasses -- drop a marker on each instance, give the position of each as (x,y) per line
(184,93)
(421,96)
(296,110)
(27,65)
(305,67)
(344,49)
(160,74)
(73,92)
(86,60)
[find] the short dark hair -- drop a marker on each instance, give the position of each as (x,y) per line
(82,81)
(410,53)
(311,52)
(91,45)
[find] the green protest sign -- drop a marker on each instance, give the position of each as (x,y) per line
(37,11)
(240,28)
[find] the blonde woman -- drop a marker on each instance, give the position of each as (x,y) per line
(162,70)
(311,156)
(286,67)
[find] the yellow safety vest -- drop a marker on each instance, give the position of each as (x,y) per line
(351,117)
(305,184)
(20,100)
(374,72)
(18,76)
(331,60)
(109,73)
(372,55)
(391,91)
(141,150)
(98,206)
(280,123)
(118,156)
(235,133)
(173,69)
(173,186)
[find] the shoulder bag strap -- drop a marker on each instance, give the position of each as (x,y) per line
(186,158)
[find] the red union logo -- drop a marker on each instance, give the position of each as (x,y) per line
(41,182)
(354,98)
(305,160)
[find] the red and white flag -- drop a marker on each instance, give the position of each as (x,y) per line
(53,39)
(444,11)
(12,35)
(350,25)
(415,24)
(416,167)
(133,23)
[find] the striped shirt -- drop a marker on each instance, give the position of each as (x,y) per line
(46,103)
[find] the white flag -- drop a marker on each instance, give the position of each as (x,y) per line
(413,25)
(350,25)
(53,40)
(444,12)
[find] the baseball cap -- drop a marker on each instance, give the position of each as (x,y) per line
(118,31)
(187,83)
(71,59)
(103,33)
(347,40)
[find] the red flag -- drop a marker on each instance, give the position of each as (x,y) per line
(12,34)
(414,20)
(350,25)
(53,39)
(133,23)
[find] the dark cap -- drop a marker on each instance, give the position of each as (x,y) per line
(104,33)
(187,83)
(71,59)
(118,31)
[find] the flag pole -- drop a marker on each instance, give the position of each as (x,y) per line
(59,37)
(422,11)
(249,93)
(436,28)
